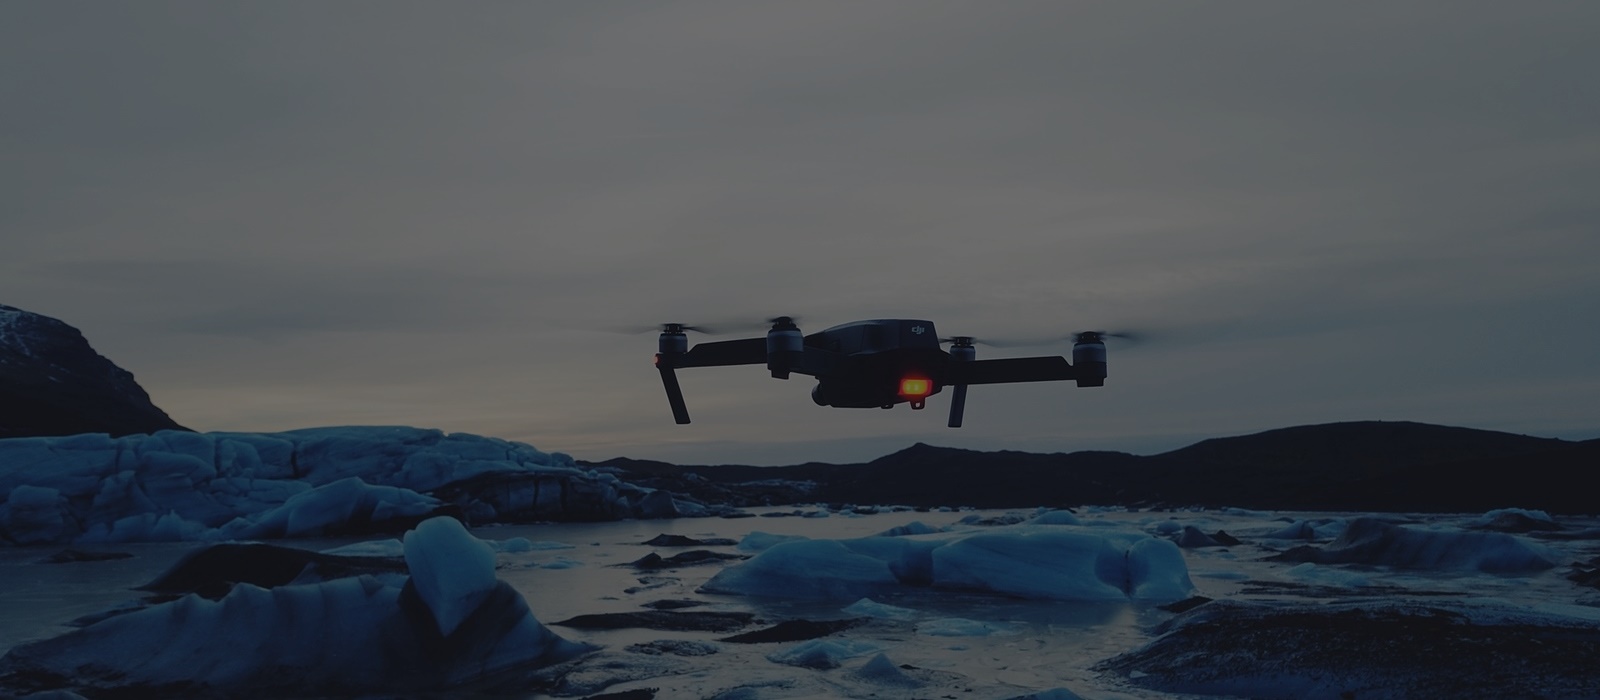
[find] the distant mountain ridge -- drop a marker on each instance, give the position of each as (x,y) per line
(1365,444)
(53,383)
(1365,465)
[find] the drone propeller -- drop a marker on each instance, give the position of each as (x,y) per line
(681,327)
(1091,336)
(1081,336)
(664,328)
(721,327)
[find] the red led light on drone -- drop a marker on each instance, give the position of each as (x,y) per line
(915,388)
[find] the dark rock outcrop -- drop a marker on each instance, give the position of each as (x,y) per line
(213,571)
(1586,574)
(1362,649)
(666,540)
(1191,537)
(796,631)
(689,558)
(665,620)
(53,383)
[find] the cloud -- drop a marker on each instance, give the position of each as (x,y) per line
(264,207)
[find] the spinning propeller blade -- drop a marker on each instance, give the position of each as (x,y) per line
(1022,342)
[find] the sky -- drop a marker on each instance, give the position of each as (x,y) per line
(295,214)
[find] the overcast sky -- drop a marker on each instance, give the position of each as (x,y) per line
(292,214)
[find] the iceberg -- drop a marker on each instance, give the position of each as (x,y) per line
(1046,562)
(182,486)
(449,623)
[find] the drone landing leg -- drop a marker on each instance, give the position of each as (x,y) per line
(669,380)
(958,405)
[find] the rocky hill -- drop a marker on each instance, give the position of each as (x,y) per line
(1366,465)
(53,383)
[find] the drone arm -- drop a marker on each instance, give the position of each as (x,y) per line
(1009,370)
(751,351)
(723,353)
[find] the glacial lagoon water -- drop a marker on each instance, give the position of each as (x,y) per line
(985,645)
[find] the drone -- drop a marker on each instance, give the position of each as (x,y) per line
(876,363)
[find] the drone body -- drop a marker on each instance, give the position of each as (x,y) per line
(874,363)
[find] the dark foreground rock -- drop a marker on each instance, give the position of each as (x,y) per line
(1370,650)
(666,620)
(1518,523)
(673,604)
(1191,537)
(213,571)
(795,631)
(639,694)
(665,540)
(689,558)
(674,647)
(1586,574)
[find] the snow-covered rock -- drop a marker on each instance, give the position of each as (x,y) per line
(823,653)
(1375,541)
(882,671)
(1515,520)
(176,485)
(1383,649)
